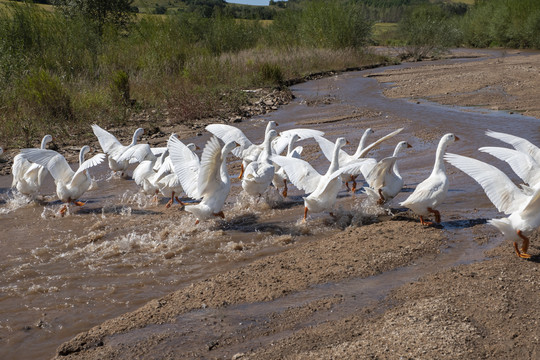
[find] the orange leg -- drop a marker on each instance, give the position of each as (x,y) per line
(171,201)
(241,171)
(305,213)
(381,198)
(424,222)
(523,254)
(437,215)
(78,203)
(285,189)
(179,201)
(347,186)
(353,179)
(220,214)
(197,222)
(63,210)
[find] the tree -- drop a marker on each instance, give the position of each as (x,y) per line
(100,12)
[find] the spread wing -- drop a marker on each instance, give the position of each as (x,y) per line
(500,190)
(90,163)
(366,150)
(280,143)
(210,164)
(186,166)
(300,172)
(52,161)
(518,143)
(375,177)
(107,141)
(523,165)
(228,133)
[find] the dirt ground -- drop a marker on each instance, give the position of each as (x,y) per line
(488,309)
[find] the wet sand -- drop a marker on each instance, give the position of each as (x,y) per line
(383,287)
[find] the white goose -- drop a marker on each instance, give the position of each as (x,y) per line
(384,179)
(345,159)
(432,191)
(70,185)
(323,189)
(280,176)
(522,205)
(27,176)
(207,179)
(259,174)
(114,149)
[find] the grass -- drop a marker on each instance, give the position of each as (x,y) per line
(59,76)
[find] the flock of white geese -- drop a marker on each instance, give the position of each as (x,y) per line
(177,168)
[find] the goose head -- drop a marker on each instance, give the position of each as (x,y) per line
(228,148)
(136,135)
(84,150)
(449,138)
(341,142)
(402,145)
(46,139)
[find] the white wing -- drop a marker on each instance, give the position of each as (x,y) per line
(137,153)
(280,143)
(93,161)
(327,148)
(228,133)
(210,164)
(300,172)
(365,151)
(185,165)
(518,143)
(501,191)
(157,151)
(107,141)
(375,177)
(53,161)
(523,165)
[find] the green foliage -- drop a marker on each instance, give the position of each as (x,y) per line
(271,74)
(322,24)
(44,94)
(100,12)
(120,88)
(503,23)
(428,30)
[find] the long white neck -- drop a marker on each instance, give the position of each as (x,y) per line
(267,151)
(81,156)
(439,160)
(361,144)
(334,164)
(44,142)
(134,139)
(290,147)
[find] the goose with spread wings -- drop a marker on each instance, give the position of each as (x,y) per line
(206,179)
(70,185)
(521,204)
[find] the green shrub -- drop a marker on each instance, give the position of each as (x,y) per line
(120,88)
(271,74)
(44,94)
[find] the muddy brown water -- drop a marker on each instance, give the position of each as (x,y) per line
(61,276)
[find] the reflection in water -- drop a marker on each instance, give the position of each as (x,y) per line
(61,276)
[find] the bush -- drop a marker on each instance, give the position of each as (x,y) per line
(428,31)
(271,74)
(120,88)
(44,95)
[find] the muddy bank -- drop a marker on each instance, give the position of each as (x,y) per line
(355,252)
